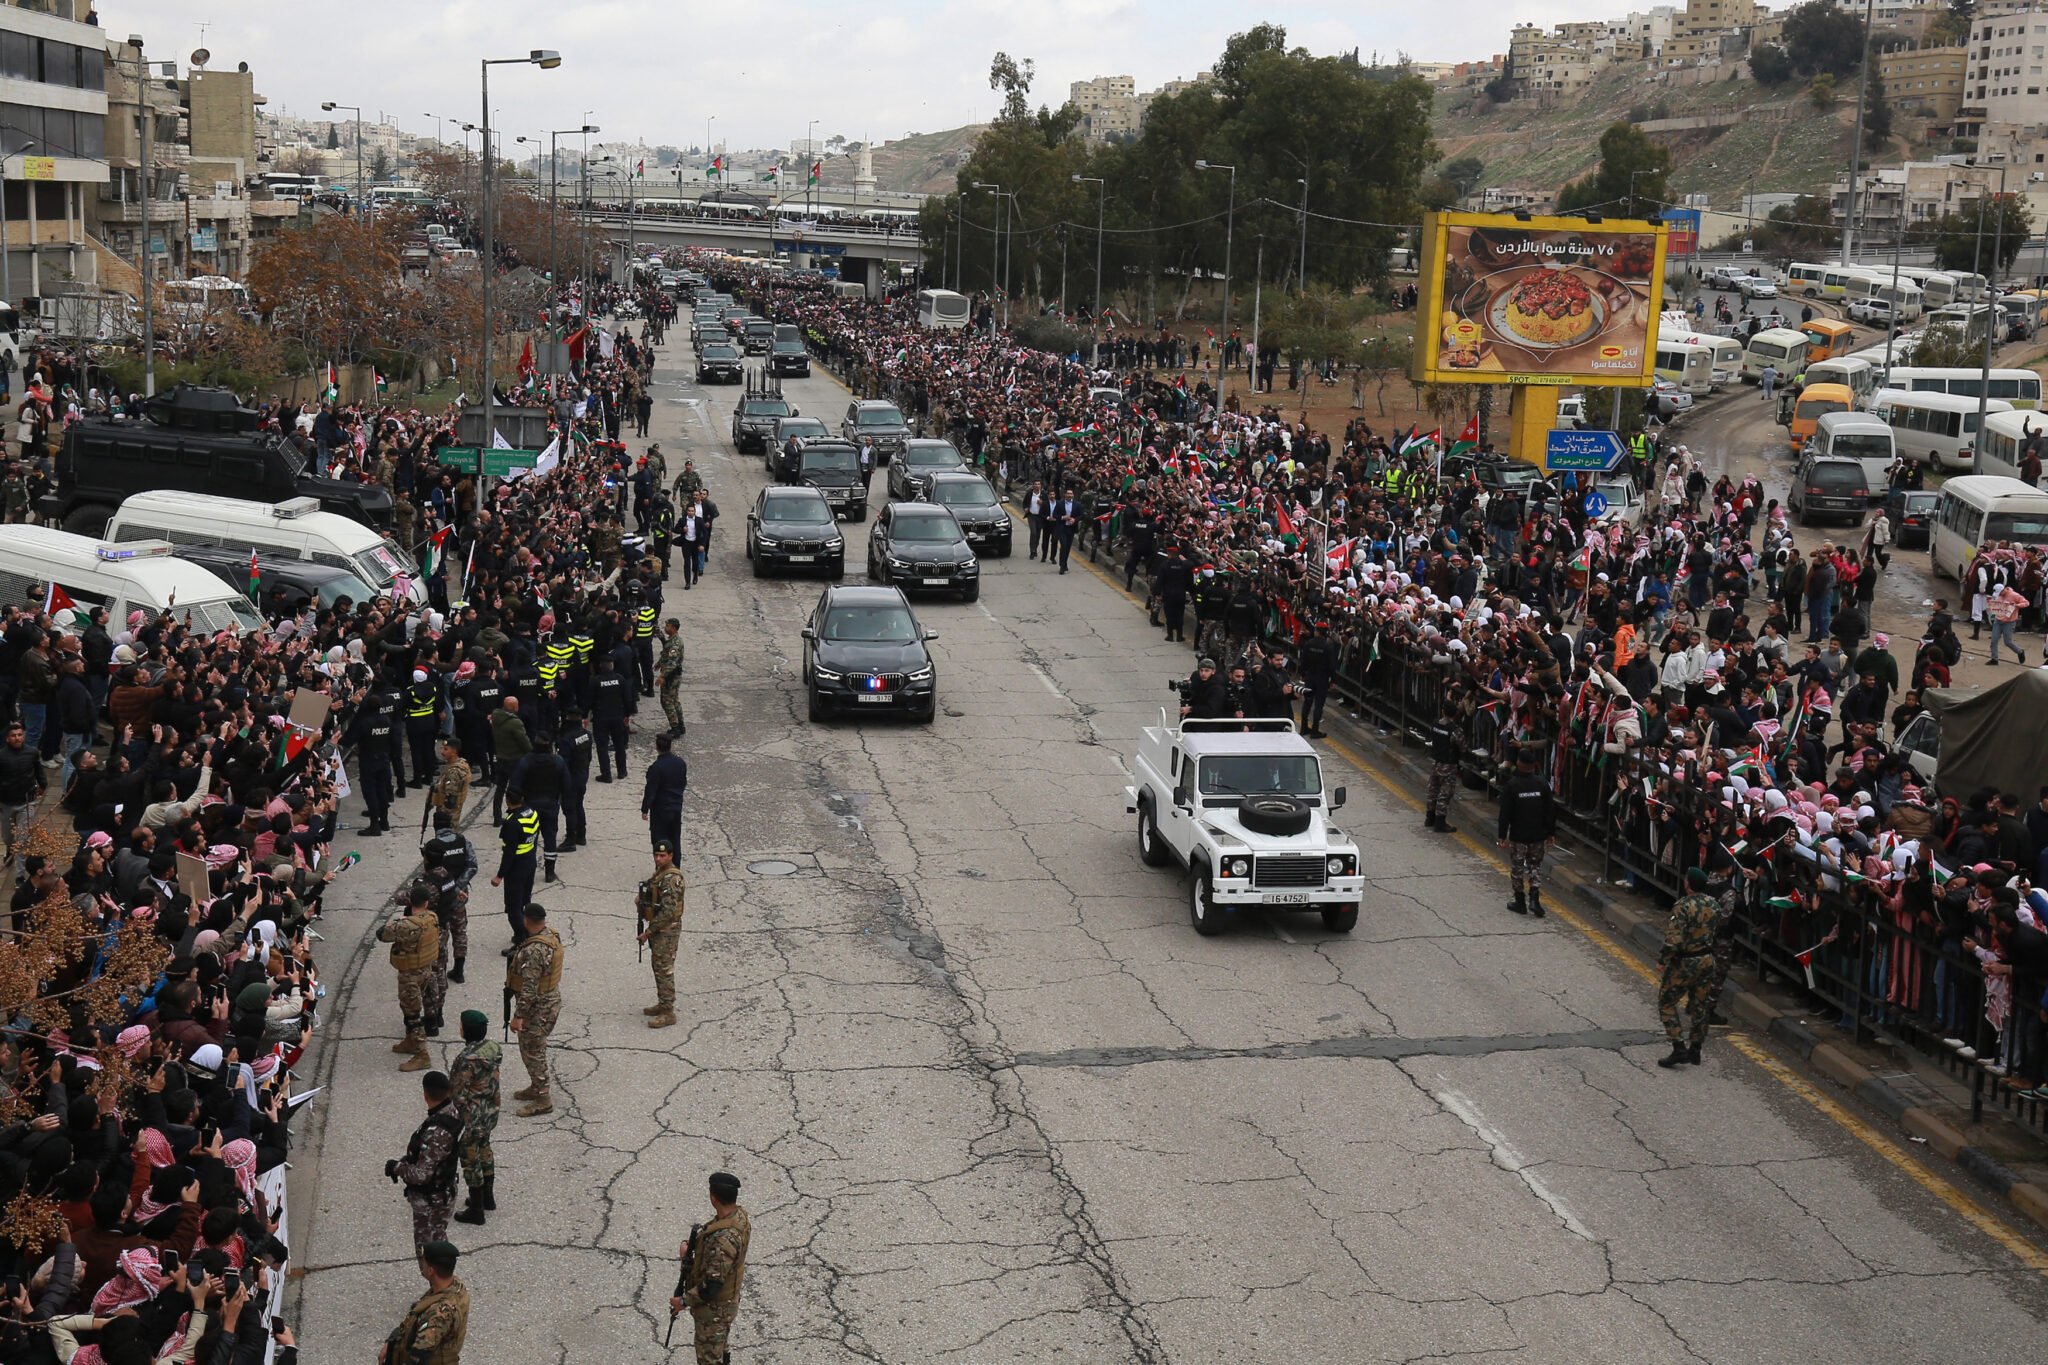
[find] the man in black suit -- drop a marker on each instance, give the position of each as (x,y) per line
(1062,520)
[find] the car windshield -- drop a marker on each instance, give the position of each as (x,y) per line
(1921,503)
(876,624)
(1514,476)
(1246,774)
(380,564)
(963,495)
(796,509)
(925,526)
(765,407)
(832,457)
(808,427)
(878,417)
(934,457)
(719,352)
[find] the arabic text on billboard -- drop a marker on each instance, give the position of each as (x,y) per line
(1538,301)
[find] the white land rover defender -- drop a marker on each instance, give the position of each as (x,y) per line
(1241,803)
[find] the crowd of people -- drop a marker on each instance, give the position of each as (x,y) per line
(1694,687)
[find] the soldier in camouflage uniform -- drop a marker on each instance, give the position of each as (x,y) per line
(415,939)
(534,971)
(662,931)
(427,1170)
(1528,822)
(450,792)
(1689,965)
(432,1331)
(606,543)
(688,484)
(474,1074)
(668,670)
(713,1266)
(450,863)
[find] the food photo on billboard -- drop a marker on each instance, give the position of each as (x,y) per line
(1508,300)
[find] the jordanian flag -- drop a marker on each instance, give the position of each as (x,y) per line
(717,166)
(817,173)
(437,549)
(773,173)
(333,383)
(1073,433)
(1422,440)
(255,579)
(1468,439)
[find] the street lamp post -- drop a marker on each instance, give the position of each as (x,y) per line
(1095,317)
(546,60)
(810,155)
(1229,236)
(146,118)
(997,250)
(1301,270)
(554,208)
(362,194)
(1856,144)
(1992,322)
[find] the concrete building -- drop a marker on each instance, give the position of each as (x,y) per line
(1916,193)
(1925,80)
(53,130)
(1109,107)
(2004,81)
(1547,67)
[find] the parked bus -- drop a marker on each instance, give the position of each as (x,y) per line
(1687,365)
(1969,286)
(1857,375)
(942,310)
(1779,346)
(1937,429)
(1978,509)
(287,185)
(1967,320)
(1802,415)
(2021,388)
(1834,281)
(400,196)
(1727,357)
(1827,338)
(1861,437)
(1802,277)
(1998,452)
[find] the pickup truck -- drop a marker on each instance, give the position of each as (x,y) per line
(1241,804)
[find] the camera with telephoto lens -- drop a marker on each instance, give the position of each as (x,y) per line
(1179,687)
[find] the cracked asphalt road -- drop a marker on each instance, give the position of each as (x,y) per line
(993,1100)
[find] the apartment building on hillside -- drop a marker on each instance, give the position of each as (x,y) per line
(53,127)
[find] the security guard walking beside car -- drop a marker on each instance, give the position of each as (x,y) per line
(663,929)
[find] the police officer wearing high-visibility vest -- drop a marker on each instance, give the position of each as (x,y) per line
(541,782)
(584,641)
(559,651)
(422,722)
(645,614)
(519,838)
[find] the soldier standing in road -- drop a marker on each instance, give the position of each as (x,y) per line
(427,1170)
(714,1263)
(432,1330)
(664,928)
(474,1075)
(573,744)
(450,792)
(661,802)
(1688,964)
(415,939)
(519,837)
(1444,757)
(1528,821)
(670,672)
(450,864)
(535,973)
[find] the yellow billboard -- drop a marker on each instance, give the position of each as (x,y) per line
(39,168)
(1509,300)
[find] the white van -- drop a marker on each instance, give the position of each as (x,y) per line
(2005,435)
(1861,437)
(1852,373)
(1976,509)
(1937,429)
(1686,364)
(1783,347)
(294,529)
(138,576)
(942,310)
(1802,277)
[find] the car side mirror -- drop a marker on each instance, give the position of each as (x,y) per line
(796,412)
(1337,798)
(809,634)
(930,634)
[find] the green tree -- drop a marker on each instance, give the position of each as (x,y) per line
(1634,171)
(1964,240)
(1877,115)
(1316,325)
(1799,231)
(1464,173)
(1824,37)
(1952,26)
(333,137)
(380,165)
(1820,91)
(1771,65)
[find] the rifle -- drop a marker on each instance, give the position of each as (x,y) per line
(643,901)
(683,1279)
(510,991)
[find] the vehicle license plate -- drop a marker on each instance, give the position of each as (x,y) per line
(935,582)
(885,696)
(1288,898)
(802,559)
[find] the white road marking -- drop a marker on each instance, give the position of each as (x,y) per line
(1512,1161)
(1046,678)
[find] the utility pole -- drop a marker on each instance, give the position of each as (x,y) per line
(1856,146)
(1991,322)
(148,315)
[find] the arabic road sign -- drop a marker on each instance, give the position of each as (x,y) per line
(1596,451)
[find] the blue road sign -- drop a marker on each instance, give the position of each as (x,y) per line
(1595,505)
(1596,451)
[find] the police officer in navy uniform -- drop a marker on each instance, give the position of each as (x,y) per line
(372,731)
(574,745)
(519,842)
(642,620)
(542,781)
(661,803)
(611,693)
(481,694)
(1143,530)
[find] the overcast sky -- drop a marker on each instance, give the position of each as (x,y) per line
(653,70)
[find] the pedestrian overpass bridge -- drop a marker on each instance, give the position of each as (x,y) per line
(862,253)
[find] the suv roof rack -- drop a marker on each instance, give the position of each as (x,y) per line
(1237,725)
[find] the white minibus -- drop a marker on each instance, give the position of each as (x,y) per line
(1979,509)
(2004,433)
(942,310)
(138,576)
(1783,347)
(1936,429)
(1857,375)
(2021,388)
(1802,277)
(294,529)
(1861,437)
(1686,364)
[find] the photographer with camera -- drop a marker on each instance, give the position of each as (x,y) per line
(1272,693)
(1203,693)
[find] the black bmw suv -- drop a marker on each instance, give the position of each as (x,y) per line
(720,360)
(793,528)
(865,651)
(916,546)
(975,506)
(911,475)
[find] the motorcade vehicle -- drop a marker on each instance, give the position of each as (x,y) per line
(921,548)
(720,363)
(974,504)
(833,467)
(794,528)
(864,651)
(876,422)
(911,475)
